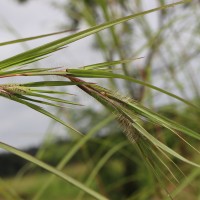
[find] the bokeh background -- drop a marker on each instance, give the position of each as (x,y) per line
(167,42)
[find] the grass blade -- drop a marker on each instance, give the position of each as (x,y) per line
(52,170)
(32,54)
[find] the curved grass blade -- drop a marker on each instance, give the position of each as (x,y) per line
(41,110)
(101,163)
(158,144)
(104,74)
(156,170)
(51,98)
(107,64)
(73,151)
(50,83)
(50,92)
(52,170)
(33,38)
(22,58)
(38,101)
(161,120)
(23,71)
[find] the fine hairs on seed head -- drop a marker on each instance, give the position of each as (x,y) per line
(123,119)
(128,128)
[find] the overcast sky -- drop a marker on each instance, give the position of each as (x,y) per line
(20,126)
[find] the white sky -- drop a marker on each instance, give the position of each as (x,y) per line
(21,126)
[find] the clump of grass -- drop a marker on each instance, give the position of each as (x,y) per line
(130,114)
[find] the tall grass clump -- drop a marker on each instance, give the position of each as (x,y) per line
(148,133)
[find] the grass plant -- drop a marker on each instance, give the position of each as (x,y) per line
(133,117)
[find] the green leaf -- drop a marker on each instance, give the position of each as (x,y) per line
(52,170)
(156,118)
(51,98)
(73,151)
(158,144)
(35,53)
(32,38)
(50,83)
(38,101)
(23,71)
(104,74)
(41,110)
(107,64)
(50,91)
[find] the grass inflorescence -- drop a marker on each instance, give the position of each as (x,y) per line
(131,115)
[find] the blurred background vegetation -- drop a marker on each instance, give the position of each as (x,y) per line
(169,43)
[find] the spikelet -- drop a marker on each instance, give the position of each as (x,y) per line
(124,116)
(11,90)
(128,128)
(14,89)
(115,102)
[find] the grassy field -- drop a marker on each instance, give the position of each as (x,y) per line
(122,176)
(28,186)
